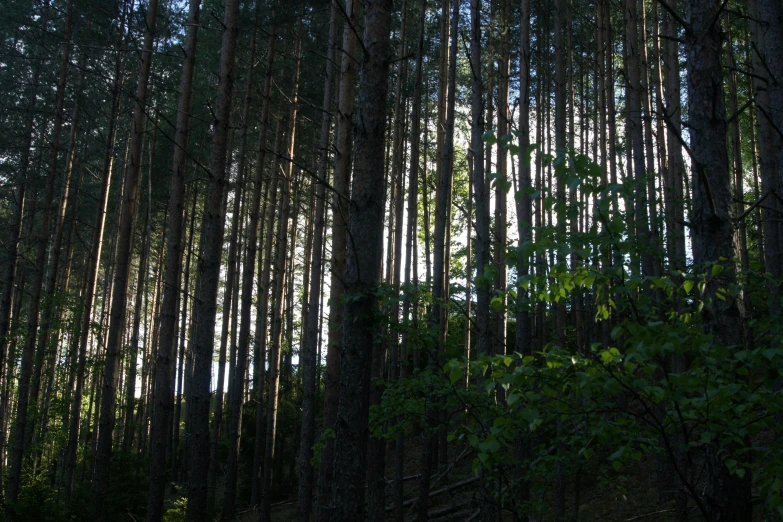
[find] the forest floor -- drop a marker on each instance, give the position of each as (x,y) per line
(632,497)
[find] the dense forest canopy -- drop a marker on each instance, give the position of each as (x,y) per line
(391,260)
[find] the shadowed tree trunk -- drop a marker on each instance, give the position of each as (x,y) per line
(340,214)
(205,305)
(237,385)
(122,269)
(363,267)
(166,357)
(413,190)
(28,351)
(525,228)
(727,495)
(309,361)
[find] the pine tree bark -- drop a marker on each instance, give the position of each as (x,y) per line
(122,269)
(205,305)
(308,356)
(280,286)
(728,496)
(28,351)
(340,214)
(163,397)
(363,266)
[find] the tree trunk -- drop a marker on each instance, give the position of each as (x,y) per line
(363,266)
(340,214)
(308,356)
(280,286)
(768,62)
(727,495)
(205,305)
(413,193)
(237,385)
(262,320)
(122,269)
(672,115)
(28,351)
(525,229)
(130,388)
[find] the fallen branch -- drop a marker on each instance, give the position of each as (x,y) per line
(638,517)
(445,489)
(449,509)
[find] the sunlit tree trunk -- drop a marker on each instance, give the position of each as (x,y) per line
(280,285)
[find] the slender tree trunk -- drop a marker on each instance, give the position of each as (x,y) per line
(130,388)
(768,63)
(635,136)
(122,269)
(28,351)
(237,385)
(280,282)
(205,305)
(439,318)
(308,356)
(340,215)
(500,316)
(672,115)
(741,239)
(363,267)
(45,355)
(263,319)
(10,272)
(525,229)
(182,300)
(413,190)
(727,495)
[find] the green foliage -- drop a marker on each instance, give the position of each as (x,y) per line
(176,513)
(656,385)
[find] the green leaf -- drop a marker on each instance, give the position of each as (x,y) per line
(489,138)
(528,153)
